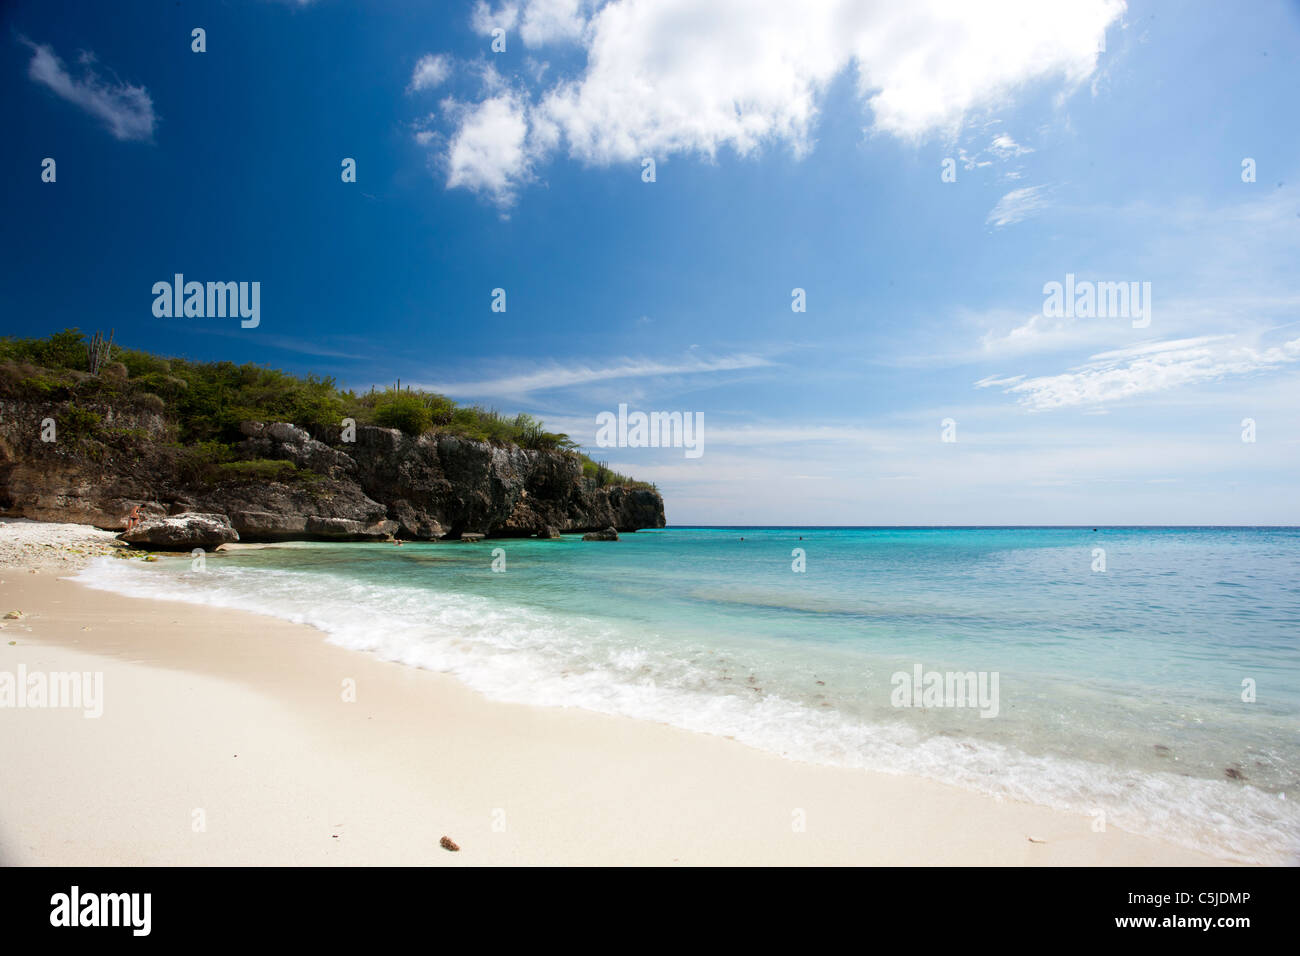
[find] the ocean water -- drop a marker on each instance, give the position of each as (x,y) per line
(1161,694)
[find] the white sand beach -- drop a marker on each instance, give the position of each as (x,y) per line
(226,738)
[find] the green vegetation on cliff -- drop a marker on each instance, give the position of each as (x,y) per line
(204,403)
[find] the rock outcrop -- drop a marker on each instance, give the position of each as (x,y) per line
(436,486)
(382,483)
(607,534)
(182,532)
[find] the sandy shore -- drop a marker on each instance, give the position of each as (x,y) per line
(226,739)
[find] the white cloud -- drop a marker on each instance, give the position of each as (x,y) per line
(552,21)
(1017,206)
(975,161)
(126,109)
(431,70)
(1146,369)
(679,76)
(992,381)
(488,153)
(568,376)
(540,21)
(1040,333)
(486,19)
(932,63)
(1001,149)
(1004,147)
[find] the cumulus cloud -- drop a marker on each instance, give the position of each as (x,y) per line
(540,21)
(486,19)
(552,21)
(679,76)
(1146,369)
(127,110)
(488,153)
(431,70)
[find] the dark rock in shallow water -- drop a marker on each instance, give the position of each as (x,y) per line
(471,537)
(609,534)
(182,532)
(550,531)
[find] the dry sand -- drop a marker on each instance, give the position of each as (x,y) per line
(226,739)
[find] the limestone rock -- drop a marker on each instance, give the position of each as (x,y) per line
(362,484)
(182,532)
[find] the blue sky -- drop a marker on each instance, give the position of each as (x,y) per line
(793,148)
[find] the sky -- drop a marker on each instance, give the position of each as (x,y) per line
(650,181)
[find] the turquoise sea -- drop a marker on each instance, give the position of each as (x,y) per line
(1161,694)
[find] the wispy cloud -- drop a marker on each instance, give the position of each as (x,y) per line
(569,376)
(1146,369)
(126,109)
(1018,205)
(1004,147)
(1001,149)
(992,381)
(287,343)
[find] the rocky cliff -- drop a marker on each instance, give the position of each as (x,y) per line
(381,482)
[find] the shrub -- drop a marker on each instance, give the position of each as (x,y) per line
(198,463)
(601,474)
(45,387)
(149,402)
(66,349)
(77,423)
(257,470)
(407,412)
(441,408)
(213,462)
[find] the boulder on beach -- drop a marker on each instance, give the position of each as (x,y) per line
(609,534)
(182,532)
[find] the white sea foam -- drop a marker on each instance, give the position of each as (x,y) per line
(533,656)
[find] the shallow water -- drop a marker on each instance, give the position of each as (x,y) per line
(1118,692)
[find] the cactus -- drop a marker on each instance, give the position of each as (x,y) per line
(98,351)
